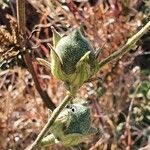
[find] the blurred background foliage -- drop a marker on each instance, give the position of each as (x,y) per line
(120,96)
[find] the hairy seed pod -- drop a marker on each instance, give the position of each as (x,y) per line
(72,126)
(72,58)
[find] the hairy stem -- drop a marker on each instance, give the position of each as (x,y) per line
(124,49)
(21,24)
(51,120)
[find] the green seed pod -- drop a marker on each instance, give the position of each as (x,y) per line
(72,126)
(70,49)
(72,59)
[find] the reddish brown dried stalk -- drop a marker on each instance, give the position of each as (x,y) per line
(21,24)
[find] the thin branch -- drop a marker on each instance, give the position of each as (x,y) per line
(124,49)
(21,24)
(53,117)
(128,132)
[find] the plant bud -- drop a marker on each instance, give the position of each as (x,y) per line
(72,58)
(72,126)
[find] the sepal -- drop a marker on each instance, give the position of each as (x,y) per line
(44,62)
(56,36)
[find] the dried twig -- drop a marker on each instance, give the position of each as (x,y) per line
(128,132)
(21,23)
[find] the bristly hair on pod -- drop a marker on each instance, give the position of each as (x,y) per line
(72,59)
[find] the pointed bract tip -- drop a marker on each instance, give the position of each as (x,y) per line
(82,29)
(56,36)
(44,62)
(52,28)
(50,46)
(54,31)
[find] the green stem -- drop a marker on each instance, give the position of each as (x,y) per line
(53,117)
(124,49)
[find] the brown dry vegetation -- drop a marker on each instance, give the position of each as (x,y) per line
(107,24)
